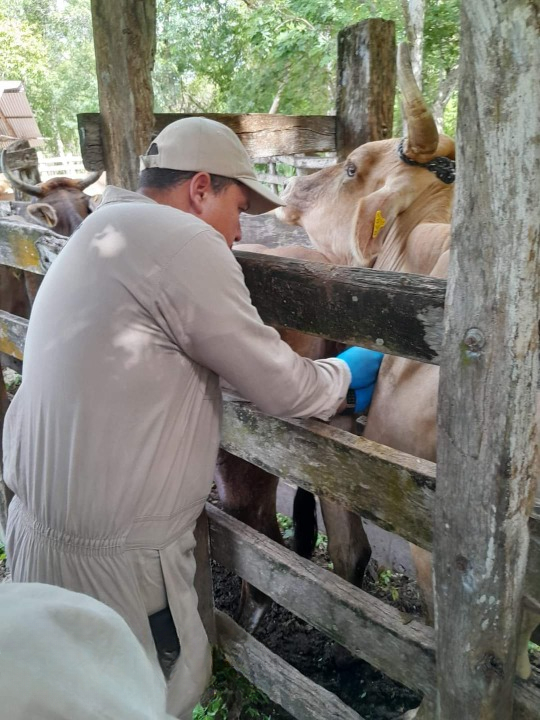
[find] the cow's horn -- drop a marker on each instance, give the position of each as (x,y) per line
(89,179)
(423,136)
(15,182)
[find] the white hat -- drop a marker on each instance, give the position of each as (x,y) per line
(66,656)
(202,145)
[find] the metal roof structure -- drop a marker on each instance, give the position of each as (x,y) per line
(17,120)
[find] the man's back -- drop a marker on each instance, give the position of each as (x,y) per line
(106,394)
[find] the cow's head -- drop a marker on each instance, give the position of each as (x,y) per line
(374,197)
(59,203)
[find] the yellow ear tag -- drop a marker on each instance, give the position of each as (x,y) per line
(379,223)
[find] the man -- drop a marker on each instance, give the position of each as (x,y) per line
(111,440)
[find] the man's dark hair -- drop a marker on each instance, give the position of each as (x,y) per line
(164,178)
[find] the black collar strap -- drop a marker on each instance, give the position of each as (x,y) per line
(443,167)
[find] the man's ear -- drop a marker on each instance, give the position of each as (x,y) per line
(43,213)
(199,187)
(375,216)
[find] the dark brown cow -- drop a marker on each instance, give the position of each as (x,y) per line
(59,204)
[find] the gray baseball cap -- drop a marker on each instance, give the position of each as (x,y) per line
(202,145)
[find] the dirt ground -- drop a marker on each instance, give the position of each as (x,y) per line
(369,692)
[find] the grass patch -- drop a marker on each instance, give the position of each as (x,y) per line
(2,552)
(285,525)
(231,696)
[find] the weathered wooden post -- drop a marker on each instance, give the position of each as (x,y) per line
(487,452)
(125,43)
(366,84)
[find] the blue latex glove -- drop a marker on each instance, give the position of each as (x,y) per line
(364,366)
(363,398)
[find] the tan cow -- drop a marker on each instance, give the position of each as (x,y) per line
(378,210)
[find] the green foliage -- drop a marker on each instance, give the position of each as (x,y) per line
(12,381)
(49,46)
(387,582)
(2,552)
(285,525)
(533,647)
(212,55)
(230,693)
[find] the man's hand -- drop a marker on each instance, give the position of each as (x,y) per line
(364,366)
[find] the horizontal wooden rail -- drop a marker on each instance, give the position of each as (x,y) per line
(369,628)
(262,134)
(396,313)
(392,488)
(283,684)
(27,246)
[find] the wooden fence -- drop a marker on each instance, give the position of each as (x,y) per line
(402,315)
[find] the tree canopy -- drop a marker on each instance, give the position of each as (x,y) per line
(213,56)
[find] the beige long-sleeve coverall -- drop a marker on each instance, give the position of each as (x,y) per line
(111,440)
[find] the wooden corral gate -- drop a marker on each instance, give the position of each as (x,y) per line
(477,517)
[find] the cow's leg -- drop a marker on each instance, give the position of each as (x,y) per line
(348,545)
(424,577)
(13,295)
(425,711)
(248,493)
(530,620)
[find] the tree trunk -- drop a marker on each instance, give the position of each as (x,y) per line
(125,44)
(413,14)
(447,85)
(487,454)
(366,81)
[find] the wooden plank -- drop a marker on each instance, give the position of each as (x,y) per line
(487,451)
(6,495)
(273,179)
(396,313)
(203,577)
(392,312)
(393,489)
(366,626)
(12,334)
(27,246)
(283,684)
(366,82)
(262,135)
(369,628)
(24,159)
(269,231)
(310,163)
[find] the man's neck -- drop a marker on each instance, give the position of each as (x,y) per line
(173,197)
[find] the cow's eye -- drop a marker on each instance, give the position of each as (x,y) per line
(350,170)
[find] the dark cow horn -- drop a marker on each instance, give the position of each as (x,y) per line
(15,182)
(90,179)
(423,136)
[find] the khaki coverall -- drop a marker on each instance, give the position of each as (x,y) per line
(111,440)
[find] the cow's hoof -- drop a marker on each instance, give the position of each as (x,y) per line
(409,715)
(253,607)
(523,666)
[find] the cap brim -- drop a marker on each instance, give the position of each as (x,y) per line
(261,199)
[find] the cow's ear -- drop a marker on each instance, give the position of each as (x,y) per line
(43,213)
(375,216)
